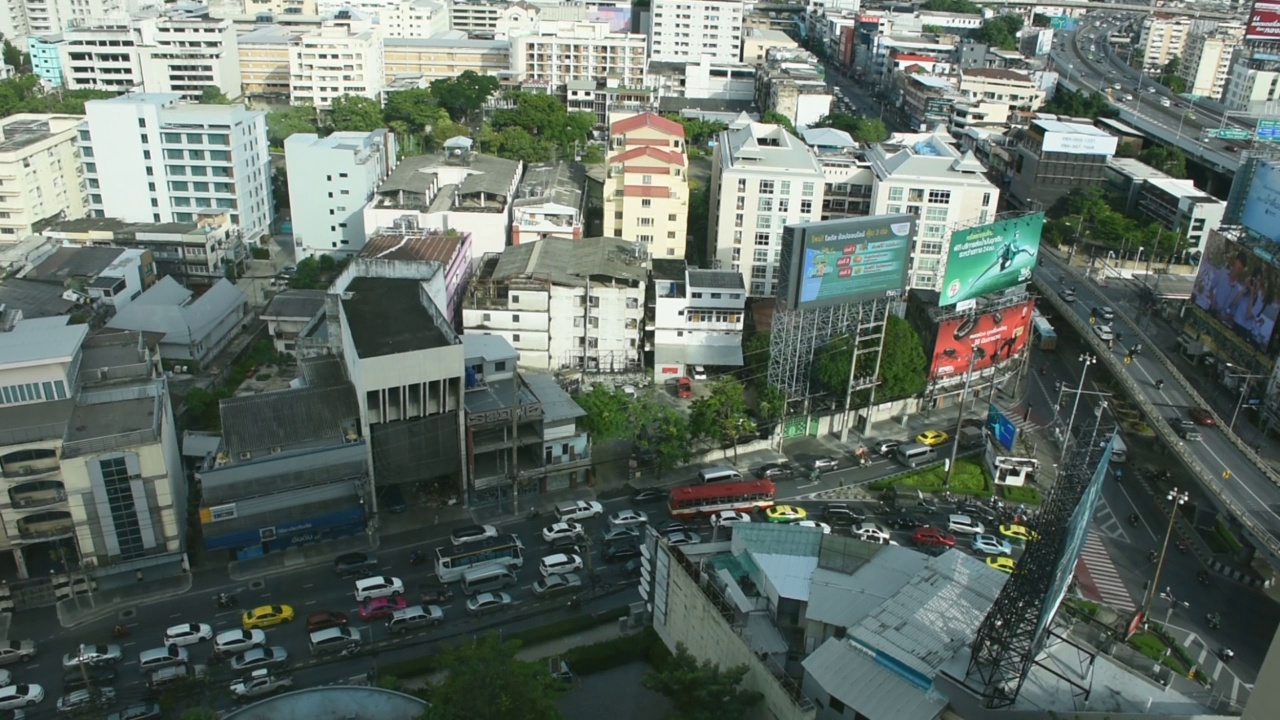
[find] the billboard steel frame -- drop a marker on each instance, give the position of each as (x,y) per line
(796,337)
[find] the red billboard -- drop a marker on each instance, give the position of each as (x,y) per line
(1264,21)
(983,339)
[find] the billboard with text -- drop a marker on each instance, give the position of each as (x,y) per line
(983,338)
(1264,21)
(1261,213)
(990,258)
(845,261)
(1239,289)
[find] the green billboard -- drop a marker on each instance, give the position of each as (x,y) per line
(990,258)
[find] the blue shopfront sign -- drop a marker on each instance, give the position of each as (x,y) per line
(295,532)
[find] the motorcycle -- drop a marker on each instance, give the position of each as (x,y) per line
(1202,577)
(227,601)
(1215,620)
(433,596)
(417,558)
(1225,655)
(1134,520)
(1159,384)
(120,631)
(1153,556)
(1184,547)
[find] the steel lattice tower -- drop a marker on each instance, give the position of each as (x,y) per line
(796,337)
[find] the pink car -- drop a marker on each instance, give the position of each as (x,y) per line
(383,607)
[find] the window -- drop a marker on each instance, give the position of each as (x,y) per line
(763,238)
(195,155)
(515,337)
(936,214)
(737,220)
(122,505)
(742,185)
(194,138)
(915,195)
(986,199)
(672,217)
(500,366)
(806,207)
(930,248)
(763,221)
(784,188)
(647,239)
(895,194)
(784,205)
(172,154)
(515,317)
(934,231)
(807,189)
(172,138)
(644,221)
(760,255)
(940,197)
(646,179)
(765,205)
(894,209)
(766,187)
(646,203)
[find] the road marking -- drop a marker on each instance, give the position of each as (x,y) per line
(176,615)
(1135,509)
(309,585)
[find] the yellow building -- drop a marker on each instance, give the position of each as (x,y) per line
(436,58)
(646,190)
(264,60)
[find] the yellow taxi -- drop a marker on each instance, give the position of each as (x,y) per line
(266,616)
(1002,563)
(1018,533)
(932,437)
(786,513)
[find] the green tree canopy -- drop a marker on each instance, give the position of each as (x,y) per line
(289,121)
(463,96)
(902,362)
(831,366)
(537,129)
(24,94)
(662,432)
(755,359)
(485,681)
(213,95)
(1077,104)
(356,113)
(1000,31)
(1170,161)
(608,413)
(16,58)
(702,690)
(722,415)
(773,117)
(952,6)
(697,132)
(863,130)
(417,108)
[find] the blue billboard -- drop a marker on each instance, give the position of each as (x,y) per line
(1261,214)
(1001,428)
(845,261)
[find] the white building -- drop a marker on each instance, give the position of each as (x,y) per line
(561,52)
(477,18)
(21,18)
(333,178)
(150,158)
(1207,62)
(792,83)
(343,57)
(762,179)
(686,30)
(43,179)
(1163,36)
(551,201)
(1179,206)
(757,42)
(1011,87)
(563,304)
(697,319)
(926,175)
(414,19)
(1253,84)
(179,51)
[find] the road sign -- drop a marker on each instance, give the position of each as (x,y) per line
(1269,130)
(1229,133)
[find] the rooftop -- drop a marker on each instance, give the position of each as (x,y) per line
(120,417)
(35,421)
(322,371)
(557,405)
(348,702)
(569,262)
(34,341)
(664,269)
(716,279)
(766,147)
(295,304)
(74,262)
(1076,127)
(25,132)
(487,348)
(925,155)
(1135,168)
(995,74)
(414,246)
(169,308)
(647,120)
(438,183)
(275,421)
(386,317)
(559,183)
(34,299)
(1182,189)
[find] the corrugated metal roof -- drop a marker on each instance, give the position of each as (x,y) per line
(556,403)
(41,339)
(295,304)
(569,262)
(854,676)
(285,419)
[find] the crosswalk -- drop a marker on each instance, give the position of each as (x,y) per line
(1225,682)
(1099,579)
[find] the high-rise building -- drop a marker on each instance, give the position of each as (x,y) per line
(1163,37)
(1207,62)
(762,179)
(148,157)
(343,57)
(687,30)
(646,187)
(20,19)
(1253,82)
(41,166)
(560,52)
(333,177)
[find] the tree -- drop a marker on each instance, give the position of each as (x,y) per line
(831,368)
(952,6)
(1041,20)
(463,96)
(722,415)
(698,224)
(485,681)
(863,130)
(356,113)
(771,404)
(773,117)
(15,58)
(608,413)
(1170,161)
(202,409)
(928,29)
(702,690)
(200,713)
(697,132)
(661,432)
(290,121)
(537,129)
(902,362)
(1077,104)
(755,359)
(213,95)
(308,275)
(1000,31)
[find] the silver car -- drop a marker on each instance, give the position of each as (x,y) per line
(17,651)
(260,657)
(92,655)
(234,641)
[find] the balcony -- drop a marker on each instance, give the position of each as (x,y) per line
(31,462)
(37,494)
(46,525)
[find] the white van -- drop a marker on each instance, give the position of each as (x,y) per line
(1120,451)
(914,454)
(487,579)
(719,474)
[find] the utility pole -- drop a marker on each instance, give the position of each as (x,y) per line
(974,356)
(1088,360)
(515,443)
(1177,498)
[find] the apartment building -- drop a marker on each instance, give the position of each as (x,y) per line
(560,52)
(89,457)
(1002,86)
(757,42)
(551,201)
(406,243)
(792,83)
(334,178)
(46,62)
(41,181)
(646,186)
(1253,82)
(342,57)
(1163,36)
(1207,62)
(848,175)
(695,318)
(179,51)
(147,157)
(414,18)
(279,7)
(264,60)
(477,18)
(926,175)
(23,18)
(563,303)
(686,30)
(763,178)
(444,57)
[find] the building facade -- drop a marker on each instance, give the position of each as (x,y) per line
(1163,37)
(696,319)
(46,61)
(646,186)
(1178,206)
(194,253)
(436,58)
(1011,87)
(551,201)
(686,30)
(188,158)
(560,52)
(1253,82)
(791,82)
(1207,63)
(343,57)
(1052,157)
(333,178)
(264,61)
(44,182)
(762,179)
(414,19)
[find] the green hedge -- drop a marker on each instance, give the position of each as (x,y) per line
(1026,495)
(610,654)
(968,479)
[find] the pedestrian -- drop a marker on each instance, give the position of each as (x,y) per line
(1026,416)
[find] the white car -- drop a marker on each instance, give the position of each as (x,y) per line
(20,696)
(729,517)
(628,517)
(237,641)
(699,372)
(578,510)
(92,655)
(872,532)
(1104,333)
(378,586)
(825,528)
(261,682)
(991,545)
(554,531)
(188,634)
(559,564)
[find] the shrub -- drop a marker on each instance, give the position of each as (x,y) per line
(568,626)
(260,253)
(968,479)
(610,654)
(1026,495)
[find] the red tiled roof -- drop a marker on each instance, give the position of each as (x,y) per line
(651,191)
(648,151)
(908,57)
(653,120)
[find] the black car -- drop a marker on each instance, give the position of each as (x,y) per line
(841,514)
(973,509)
(355,564)
(567,544)
(905,522)
(89,675)
(633,567)
(645,495)
(617,552)
(673,526)
(778,471)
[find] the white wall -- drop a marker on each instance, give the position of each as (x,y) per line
(333,182)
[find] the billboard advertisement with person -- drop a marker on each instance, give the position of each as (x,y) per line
(985,338)
(990,258)
(1239,289)
(1261,213)
(845,261)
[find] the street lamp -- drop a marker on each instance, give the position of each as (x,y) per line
(1244,389)
(976,355)
(1173,602)
(1176,497)
(1088,360)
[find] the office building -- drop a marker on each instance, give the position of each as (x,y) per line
(414,18)
(695,319)
(1207,63)
(278,7)
(43,181)
(1188,213)
(687,30)
(1253,84)
(264,61)
(148,157)
(333,178)
(1053,156)
(343,57)
(763,178)
(757,42)
(427,59)
(46,61)
(646,186)
(560,52)
(24,18)
(1163,37)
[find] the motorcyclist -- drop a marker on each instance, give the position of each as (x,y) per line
(1215,620)
(120,631)
(1159,384)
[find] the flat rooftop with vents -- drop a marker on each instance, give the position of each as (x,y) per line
(386,316)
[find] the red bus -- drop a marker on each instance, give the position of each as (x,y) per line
(709,499)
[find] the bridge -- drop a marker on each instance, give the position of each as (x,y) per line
(1086,4)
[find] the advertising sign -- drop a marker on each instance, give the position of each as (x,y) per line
(1264,21)
(986,338)
(1238,289)
(1261,213)
(1001,427)
(989,258)
(846,261)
